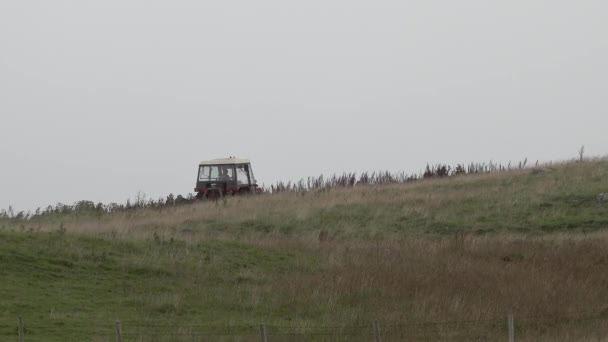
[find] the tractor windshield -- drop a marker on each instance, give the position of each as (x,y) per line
(251,174)
(213,173)
(242,175)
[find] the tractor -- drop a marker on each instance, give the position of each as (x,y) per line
(223,177)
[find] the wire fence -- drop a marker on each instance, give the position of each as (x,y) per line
(581,326)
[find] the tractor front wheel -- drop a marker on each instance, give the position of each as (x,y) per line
(244,191)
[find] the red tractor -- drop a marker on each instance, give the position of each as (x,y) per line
(221,177)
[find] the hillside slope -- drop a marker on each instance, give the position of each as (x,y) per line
(468,248)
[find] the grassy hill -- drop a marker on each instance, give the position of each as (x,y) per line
(461,252)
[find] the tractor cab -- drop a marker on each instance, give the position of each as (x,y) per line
(228,176)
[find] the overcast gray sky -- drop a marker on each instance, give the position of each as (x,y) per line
(102,99)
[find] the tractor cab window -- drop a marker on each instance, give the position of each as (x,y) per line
(241,174)
(215,173)
(251,174)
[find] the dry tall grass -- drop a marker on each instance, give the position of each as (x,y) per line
(561,192)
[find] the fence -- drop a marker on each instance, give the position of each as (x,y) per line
(509,328)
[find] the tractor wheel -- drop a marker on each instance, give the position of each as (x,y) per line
(214,195)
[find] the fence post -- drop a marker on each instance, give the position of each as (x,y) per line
(20,329)
(377,336)
(511,325)
(263,334)
(118,331)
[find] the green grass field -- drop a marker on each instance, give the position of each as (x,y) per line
(467,249)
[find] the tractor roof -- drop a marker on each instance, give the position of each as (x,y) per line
(225,161)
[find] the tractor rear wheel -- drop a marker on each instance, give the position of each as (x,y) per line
(215,194)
